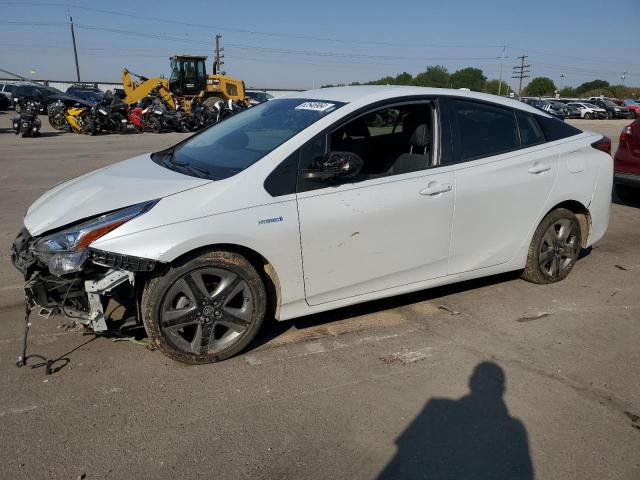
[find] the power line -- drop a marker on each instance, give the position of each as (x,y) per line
(284,35)
(239,30)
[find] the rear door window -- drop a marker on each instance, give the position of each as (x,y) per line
(482,130)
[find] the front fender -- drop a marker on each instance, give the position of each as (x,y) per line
(270,230)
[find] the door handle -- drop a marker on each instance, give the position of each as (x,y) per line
(539,168)
(435,188)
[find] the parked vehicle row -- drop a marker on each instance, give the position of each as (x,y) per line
(86,109)
(592,108)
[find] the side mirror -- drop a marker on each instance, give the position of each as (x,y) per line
(336,165)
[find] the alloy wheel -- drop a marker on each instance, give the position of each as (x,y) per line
(206,310)
(559,247)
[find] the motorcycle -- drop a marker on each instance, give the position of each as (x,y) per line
(152,115)
(56,112)
(202,115)
(109,116)
(80,119)
(28,122)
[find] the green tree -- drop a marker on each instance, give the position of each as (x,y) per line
(433,76)
(383,81)
(568,92)
(403,78)
(540,87)
(592,85)
(493,86)
(471,78)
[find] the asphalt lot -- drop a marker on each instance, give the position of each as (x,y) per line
(378,389)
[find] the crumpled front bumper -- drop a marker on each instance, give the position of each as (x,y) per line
(79,295)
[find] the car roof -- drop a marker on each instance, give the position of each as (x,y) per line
(364,94)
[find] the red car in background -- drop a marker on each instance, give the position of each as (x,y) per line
(633,106)
(626,163)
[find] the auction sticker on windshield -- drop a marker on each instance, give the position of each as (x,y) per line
(316,106)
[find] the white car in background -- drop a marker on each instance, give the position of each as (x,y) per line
(315,201)
(589,110)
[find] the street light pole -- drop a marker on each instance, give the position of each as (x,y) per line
(501,61)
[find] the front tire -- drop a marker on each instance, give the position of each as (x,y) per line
(205,308)
(555,248)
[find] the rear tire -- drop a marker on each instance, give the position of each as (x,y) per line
(204,308)
(555,248)
(58,122)
(92,127)
(120,126)
(154,125)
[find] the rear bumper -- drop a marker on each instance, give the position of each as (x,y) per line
(629,179)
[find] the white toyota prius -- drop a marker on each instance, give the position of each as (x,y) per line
(315,201)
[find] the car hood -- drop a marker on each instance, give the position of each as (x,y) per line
(126,183)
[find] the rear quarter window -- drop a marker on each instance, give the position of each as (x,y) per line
(530,131)
(555,129)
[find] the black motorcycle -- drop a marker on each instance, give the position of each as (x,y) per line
(156,113)
(109,115)
(56,112)
(28,122)
(202,115)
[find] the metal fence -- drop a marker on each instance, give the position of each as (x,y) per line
(64,84)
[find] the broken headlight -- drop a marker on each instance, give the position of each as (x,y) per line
(65,251)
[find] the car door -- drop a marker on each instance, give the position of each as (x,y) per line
(506,172)
(381,230)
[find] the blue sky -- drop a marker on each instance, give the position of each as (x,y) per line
(298,44)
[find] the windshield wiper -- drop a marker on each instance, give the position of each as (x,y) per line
(169,160)
(200,171)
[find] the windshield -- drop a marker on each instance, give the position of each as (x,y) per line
(630,102)
(241,140)
(590,105)
(609,103)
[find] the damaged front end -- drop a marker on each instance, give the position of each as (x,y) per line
(65,275)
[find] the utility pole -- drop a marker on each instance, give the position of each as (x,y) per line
(217,64)
(75,50)
(521,71)
(501,60)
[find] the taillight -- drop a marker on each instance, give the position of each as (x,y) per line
(626,133)
(604,144)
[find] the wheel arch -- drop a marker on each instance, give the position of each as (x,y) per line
(262,265)
(580,211)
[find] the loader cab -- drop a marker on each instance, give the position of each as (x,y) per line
(188,75)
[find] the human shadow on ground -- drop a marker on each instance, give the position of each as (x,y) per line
(473,437)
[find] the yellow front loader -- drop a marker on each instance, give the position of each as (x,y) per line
(188,80)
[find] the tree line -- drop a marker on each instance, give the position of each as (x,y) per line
(474,79)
